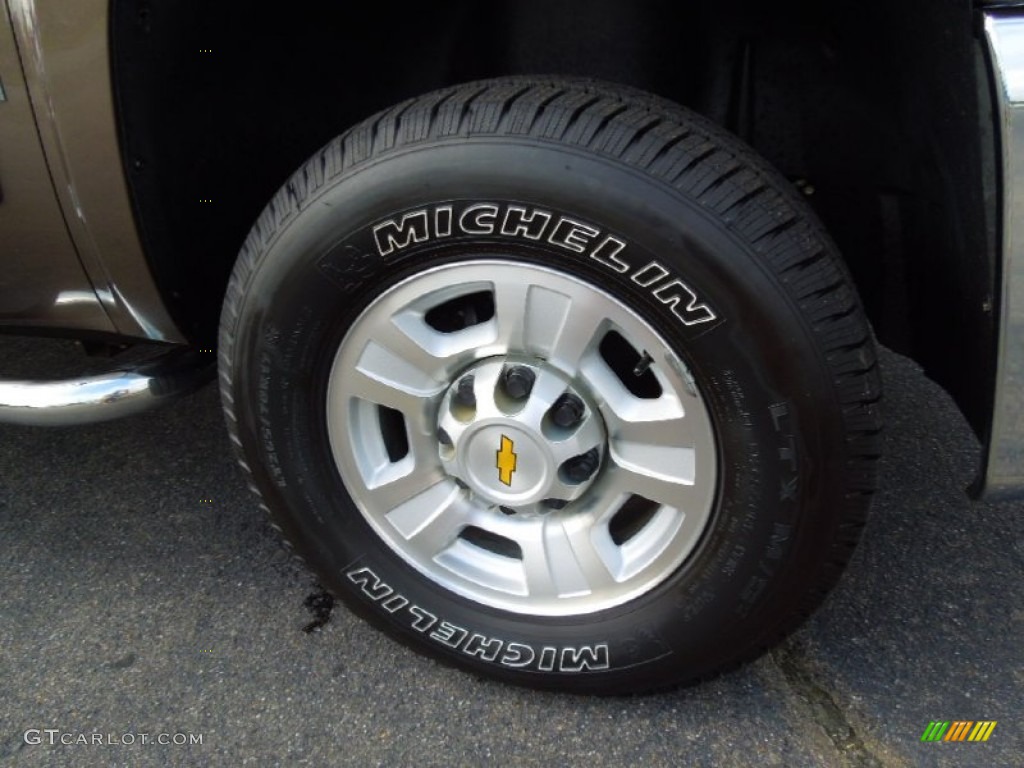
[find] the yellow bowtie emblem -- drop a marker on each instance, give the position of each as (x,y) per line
(506,460)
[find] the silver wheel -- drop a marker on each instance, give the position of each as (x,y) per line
(481,418)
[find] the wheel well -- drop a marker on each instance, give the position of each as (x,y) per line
(877,110)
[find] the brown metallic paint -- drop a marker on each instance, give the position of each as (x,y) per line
(42,283)
(64,51)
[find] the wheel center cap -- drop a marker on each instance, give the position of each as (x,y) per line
(505,463)
(520,434)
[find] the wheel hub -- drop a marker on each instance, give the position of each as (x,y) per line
(520,435)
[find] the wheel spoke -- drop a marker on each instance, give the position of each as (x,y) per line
(381,377)
(661,477)
(436,349)
(647,545)
(510,304)
(431,520)
(409,339)
(559,560)
(655,457)
(546,313)
(414,406)
(646,426)
(423,444)
(581,331)
(393,489)
(673,464)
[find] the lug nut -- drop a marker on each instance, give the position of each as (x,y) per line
(518,381)
(580,468)
(464,394)
(567,410)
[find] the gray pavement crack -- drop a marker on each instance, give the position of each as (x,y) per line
(822,708)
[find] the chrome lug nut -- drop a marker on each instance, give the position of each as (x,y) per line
(579,468)
(567,410)
(464,394)
(518,381)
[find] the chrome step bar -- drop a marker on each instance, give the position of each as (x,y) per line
(104,396)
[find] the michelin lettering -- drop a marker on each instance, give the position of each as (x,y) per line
(583,658)
(505,220)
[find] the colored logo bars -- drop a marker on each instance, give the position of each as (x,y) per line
(506,460)
(958,730)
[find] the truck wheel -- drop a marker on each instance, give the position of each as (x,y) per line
(556,381)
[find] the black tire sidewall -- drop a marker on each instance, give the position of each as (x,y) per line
(758,367)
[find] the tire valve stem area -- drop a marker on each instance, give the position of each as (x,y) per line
(643,364)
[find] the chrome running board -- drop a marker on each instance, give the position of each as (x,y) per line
(105,396)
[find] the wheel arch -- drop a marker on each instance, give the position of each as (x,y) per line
(880,112)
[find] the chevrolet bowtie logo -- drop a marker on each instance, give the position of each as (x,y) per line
(506,460)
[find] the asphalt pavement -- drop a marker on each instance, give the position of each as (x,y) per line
(144,599)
